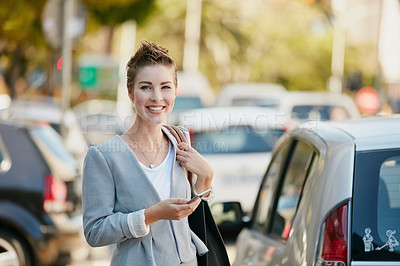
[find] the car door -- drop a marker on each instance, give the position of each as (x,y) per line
(276,205)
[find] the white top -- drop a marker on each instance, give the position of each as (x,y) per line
(160,176)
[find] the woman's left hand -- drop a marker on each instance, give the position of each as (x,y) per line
(192,161)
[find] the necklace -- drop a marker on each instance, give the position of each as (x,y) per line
(151,165)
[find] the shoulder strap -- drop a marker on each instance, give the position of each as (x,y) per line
(174,133)
(180,137)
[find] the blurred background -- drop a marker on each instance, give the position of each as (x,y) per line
(63,62)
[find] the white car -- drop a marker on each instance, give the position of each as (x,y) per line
(251,94)
(306,106)
(237,141)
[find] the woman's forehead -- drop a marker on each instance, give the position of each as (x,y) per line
(155,73)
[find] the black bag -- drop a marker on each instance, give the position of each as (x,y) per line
(202,223)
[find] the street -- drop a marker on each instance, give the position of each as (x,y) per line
(101,256)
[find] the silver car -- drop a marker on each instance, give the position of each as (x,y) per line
(330,196)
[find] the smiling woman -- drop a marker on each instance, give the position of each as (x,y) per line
(135,195)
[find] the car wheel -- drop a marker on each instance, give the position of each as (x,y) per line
(13,251)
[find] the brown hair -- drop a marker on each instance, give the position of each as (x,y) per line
(148,54)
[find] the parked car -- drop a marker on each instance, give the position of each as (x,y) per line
(330,196)
(193,92)
(310,106)
(48,109)
(39,203)
(99,120)
(237,141)
(251,94)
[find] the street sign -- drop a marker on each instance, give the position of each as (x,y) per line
(98,73)
(52,21)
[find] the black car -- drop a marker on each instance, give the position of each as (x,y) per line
(39,203)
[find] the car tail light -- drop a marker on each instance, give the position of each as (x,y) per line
(335,238)
(55,194)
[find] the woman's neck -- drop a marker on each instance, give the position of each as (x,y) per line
(146,133)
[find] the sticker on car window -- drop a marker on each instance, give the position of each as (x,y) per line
(391,242)
(368,239)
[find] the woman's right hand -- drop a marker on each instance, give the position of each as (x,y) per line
(170,209)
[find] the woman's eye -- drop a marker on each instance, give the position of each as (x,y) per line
(166,87)
(145,87)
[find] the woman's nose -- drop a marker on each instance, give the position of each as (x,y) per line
(156,95)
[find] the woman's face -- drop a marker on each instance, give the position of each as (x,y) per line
(154,93)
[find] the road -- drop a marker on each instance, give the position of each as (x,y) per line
(101,256)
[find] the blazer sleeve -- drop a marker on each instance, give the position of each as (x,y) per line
(102,226)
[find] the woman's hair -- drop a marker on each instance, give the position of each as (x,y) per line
(148,54)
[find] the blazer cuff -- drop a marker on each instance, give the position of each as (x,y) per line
(136,224)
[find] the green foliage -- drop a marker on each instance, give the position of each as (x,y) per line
(112,12)
(283,41)
(22,44)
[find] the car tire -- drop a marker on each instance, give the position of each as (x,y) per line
(13,251)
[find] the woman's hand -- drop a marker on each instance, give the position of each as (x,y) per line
(170,209)
(192,161)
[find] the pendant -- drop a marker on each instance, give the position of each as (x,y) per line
(151,166)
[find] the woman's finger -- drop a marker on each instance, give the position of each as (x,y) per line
(184,146)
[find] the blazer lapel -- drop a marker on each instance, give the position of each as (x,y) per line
(179,183)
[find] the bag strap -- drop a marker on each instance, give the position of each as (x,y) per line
(180,137)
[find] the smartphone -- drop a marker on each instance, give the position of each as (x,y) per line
(200,195)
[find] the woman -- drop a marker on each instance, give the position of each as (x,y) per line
(135,190)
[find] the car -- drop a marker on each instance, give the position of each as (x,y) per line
(237,141)
(48,109)
(251,94)
(311,106)
(330,196)
(99,120)
(193,92)
(40,209)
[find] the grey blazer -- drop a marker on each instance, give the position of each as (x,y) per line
(114,185)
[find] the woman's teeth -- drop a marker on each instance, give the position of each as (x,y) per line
(155,108)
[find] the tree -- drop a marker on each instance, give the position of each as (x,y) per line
(111,13)
(22,45)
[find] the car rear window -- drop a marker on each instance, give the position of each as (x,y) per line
(241,139)
(263,102)
(54,151)
(186,103)
(319,112)
(376,206)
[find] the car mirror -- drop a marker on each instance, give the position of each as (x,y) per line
(230,218)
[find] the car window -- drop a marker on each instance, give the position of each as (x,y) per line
(291,188)
(186,103)
(241,139)
(50,144)
(376,206)
(319,112)
(273,103)
(268,186)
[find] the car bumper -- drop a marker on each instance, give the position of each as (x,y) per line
(62,238)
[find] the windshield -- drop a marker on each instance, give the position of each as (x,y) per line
(319,112)
(186,103)
(242,139)
(262,102)
(51,146)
